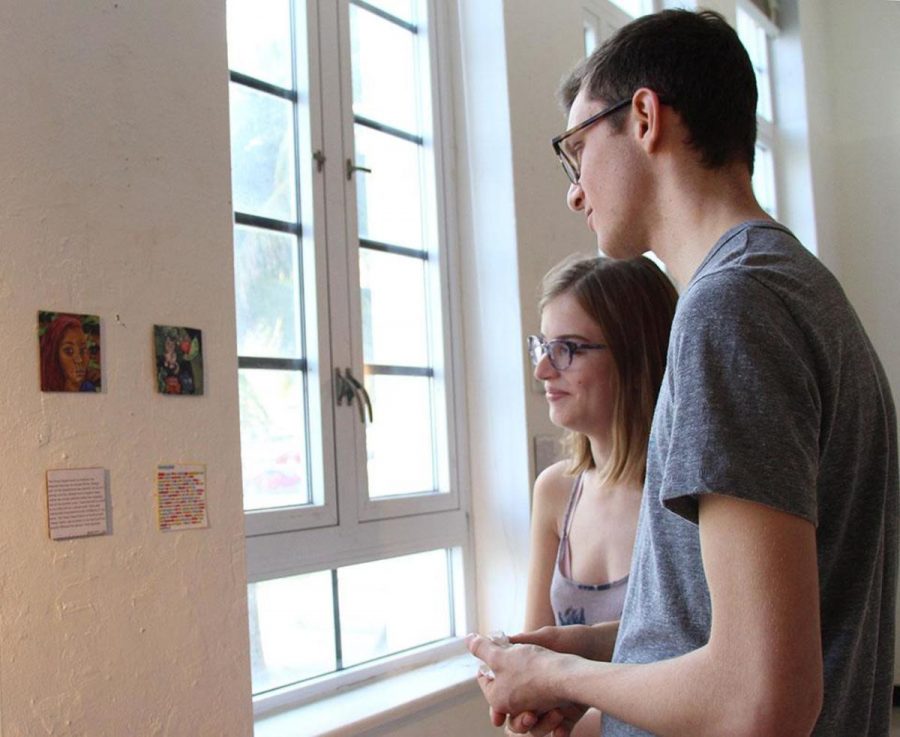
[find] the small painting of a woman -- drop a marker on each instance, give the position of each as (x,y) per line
(70,352)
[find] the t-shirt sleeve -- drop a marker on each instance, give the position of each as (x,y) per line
(744,413)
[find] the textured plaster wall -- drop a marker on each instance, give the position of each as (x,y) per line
(115,201)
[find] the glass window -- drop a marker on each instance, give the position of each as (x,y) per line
(341,308)
(388,606)
(390,101)
(755,37)
(292,630)
(259,40)
(764,178)
(602,18)
(756,41)
(634,8)
(318,623)
(262,149)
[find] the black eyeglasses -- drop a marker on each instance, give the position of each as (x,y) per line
(560,352)
(570,167)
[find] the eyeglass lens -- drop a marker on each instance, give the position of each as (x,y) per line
(569,167)
(557,351)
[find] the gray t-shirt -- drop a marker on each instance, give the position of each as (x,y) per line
(773,393)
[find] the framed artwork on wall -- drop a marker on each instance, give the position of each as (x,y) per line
(179,360)
(69,346)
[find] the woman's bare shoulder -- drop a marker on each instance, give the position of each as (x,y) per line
(553,486)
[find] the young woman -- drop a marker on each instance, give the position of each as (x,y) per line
(66,357)
(601,356)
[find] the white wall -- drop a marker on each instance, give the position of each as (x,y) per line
(114,184)
(514,226)
(539,55)
(853,93)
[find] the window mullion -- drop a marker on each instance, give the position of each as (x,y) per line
(350,432)
(314,236)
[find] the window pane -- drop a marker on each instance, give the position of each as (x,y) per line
(267,290)
(273,438)
(393,605)
(389,199)
(591,33)
(634,8)
(756,41)
(262,154)
(291,629)
(393,309)
(259,40)
(400,442)
(402,9)
(764,179)
(384,71)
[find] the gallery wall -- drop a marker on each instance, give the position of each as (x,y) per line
(115,192)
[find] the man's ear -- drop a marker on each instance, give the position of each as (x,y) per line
(647,118)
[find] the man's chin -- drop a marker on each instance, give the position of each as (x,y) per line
(610,250)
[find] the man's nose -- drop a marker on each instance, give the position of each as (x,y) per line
(575,197)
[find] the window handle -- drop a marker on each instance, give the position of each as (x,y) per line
(351,167)
(343,389)
(319,158)
(360,390)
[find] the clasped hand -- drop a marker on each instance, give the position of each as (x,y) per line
(514,680)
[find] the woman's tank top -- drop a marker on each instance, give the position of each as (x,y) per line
(581,603)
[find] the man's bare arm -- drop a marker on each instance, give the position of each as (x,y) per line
(760,672)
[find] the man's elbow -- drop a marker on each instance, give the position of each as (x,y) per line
(794,715)
(785,710)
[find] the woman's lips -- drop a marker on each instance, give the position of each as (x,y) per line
(554,395)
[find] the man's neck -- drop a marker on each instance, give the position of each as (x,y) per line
(698,209)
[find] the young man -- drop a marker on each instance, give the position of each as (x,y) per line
(761,598)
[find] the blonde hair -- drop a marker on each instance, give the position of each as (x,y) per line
(633,302)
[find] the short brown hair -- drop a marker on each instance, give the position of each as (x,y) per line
(633,302)
(696,62)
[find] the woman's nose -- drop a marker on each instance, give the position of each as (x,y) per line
(544,369)
(575,197)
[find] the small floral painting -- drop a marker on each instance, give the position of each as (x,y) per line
(69,347)
(179,360)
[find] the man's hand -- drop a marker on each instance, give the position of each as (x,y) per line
(516,679)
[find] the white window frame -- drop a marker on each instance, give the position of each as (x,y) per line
(601,18)
(346,527)
(766,128)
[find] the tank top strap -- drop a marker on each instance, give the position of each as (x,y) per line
(562,558)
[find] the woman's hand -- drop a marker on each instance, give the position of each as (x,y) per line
(593,642)
(557,722)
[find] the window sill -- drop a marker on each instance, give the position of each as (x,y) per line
(374,705)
